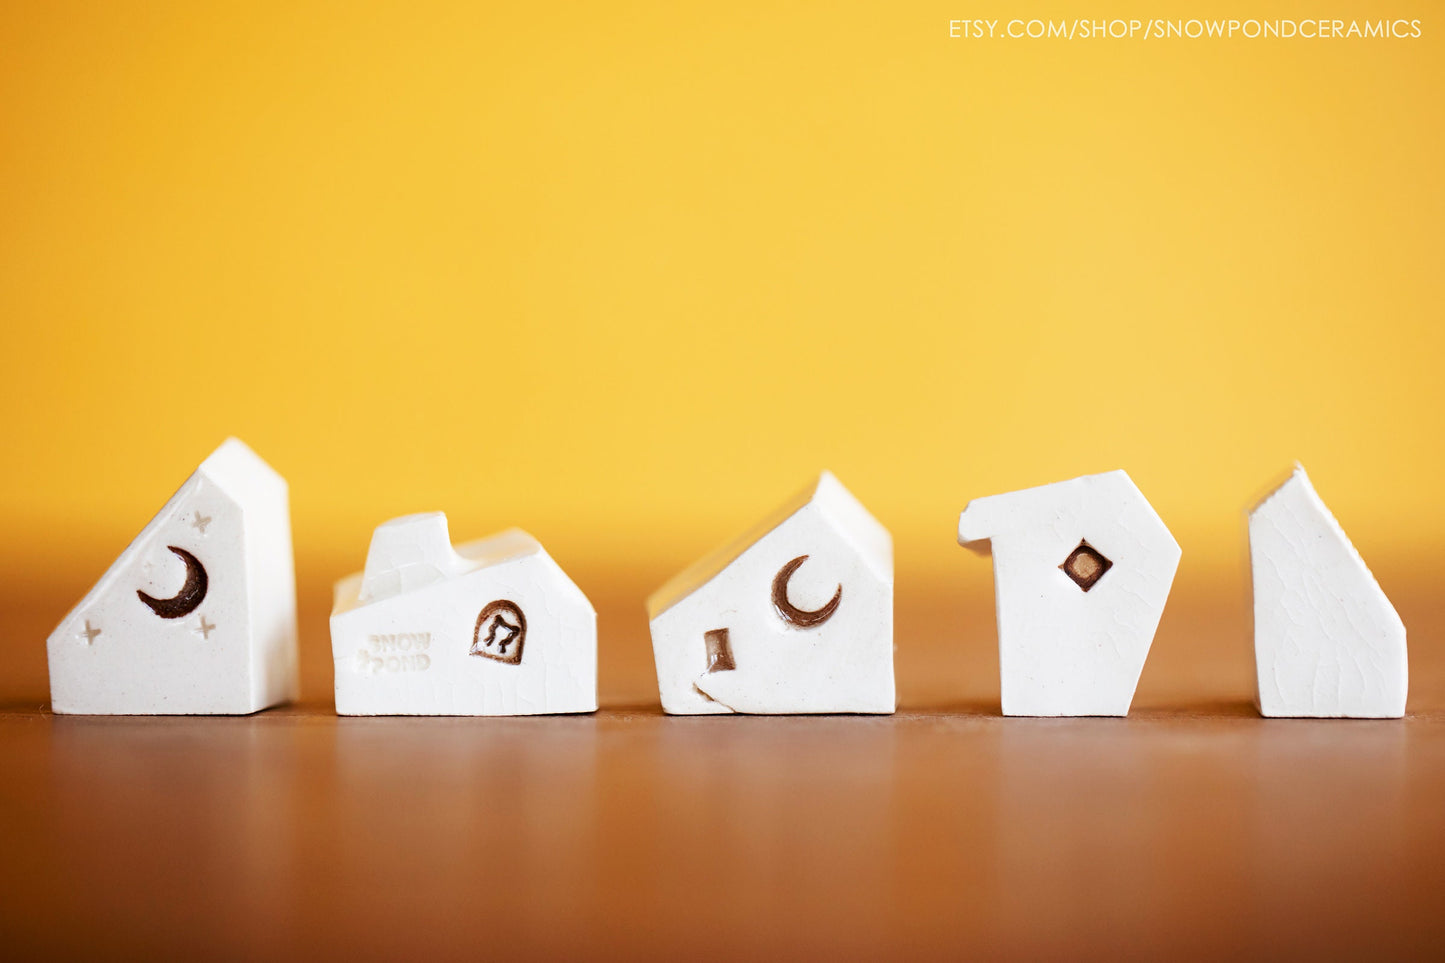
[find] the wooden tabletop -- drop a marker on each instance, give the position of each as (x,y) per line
(1191,829)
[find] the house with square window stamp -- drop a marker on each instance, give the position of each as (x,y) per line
(1082,570)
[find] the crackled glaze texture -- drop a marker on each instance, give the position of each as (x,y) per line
(1082,570)
(492,628)
(1327,642)
(794,616)
(198,615)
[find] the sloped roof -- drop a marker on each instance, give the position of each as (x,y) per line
(233,468)
(1298,484)
(462,561)
(983,518)
(831,498)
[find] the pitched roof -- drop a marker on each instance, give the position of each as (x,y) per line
(831,498)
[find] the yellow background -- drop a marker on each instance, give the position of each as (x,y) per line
(628,274)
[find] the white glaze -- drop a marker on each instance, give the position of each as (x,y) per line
(1327,642)
(844,664)
(1064,651)
(236,651)
(404,630)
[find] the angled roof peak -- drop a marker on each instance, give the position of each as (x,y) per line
(234,466)
(831,498)
(1279,483)
(1297,492)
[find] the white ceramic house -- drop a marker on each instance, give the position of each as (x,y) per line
(198,615)
(1327,642)
(1082,570)
(793,616)
(491,628)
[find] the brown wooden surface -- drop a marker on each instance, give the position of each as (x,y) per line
(1191,829)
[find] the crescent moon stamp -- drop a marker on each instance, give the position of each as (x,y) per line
(191,595)
(790,613)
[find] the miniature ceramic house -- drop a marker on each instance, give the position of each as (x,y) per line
(1082,570)
(492,628)
(198,615)
(794,616)
(1327,642)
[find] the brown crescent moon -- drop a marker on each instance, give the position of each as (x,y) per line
(191,595)
(789,612)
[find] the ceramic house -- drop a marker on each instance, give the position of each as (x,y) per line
(1082,570)
(1327,642)
(794,616)
(198,615)
(491,628)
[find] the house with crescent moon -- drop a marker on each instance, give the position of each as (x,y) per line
(198,615)
(493,627)
(793,616)
(1082,570)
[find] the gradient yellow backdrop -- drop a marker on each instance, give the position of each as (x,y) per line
(627,274)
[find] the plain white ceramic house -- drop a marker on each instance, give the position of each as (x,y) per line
(491,628)
(1082,570)
(198,615)
(1327,642)
(793,616)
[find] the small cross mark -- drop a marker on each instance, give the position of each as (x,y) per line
(205,628)
(90,633)
(201,522)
